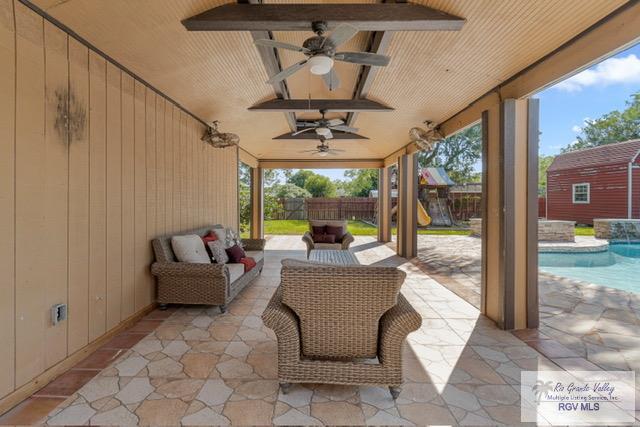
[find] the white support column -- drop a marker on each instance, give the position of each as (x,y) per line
(384,205)
(510,249)
(257,203)
(407,208)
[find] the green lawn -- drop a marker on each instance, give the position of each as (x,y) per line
(357,228)
(583,230)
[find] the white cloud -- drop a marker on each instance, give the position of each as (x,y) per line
(576,128)
(610,71)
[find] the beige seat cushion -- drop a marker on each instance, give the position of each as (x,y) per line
(235,271)
(190,248)
(256,255)
(334,246)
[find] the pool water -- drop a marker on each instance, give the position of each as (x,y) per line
(618,267)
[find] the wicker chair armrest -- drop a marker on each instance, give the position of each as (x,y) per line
(283,321)
(347,239)
(254,244)
(186,269)
(395,325)
(308,240)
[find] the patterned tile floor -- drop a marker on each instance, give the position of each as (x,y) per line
(198,366)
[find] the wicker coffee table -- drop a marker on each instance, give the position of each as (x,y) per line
(329,256)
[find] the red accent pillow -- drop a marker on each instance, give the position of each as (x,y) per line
(337,231)
(249,263)
(235,253)
(318,229)
(211,237)
(324,238)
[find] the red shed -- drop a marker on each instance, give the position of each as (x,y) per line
(600,182)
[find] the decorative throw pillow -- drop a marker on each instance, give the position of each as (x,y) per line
(228,237)
(249,263)
(337,231)
(235,254)
(318,229)
(324,238)
(218,252)
(233,237)
(190,248)
(210,237)
(221,234)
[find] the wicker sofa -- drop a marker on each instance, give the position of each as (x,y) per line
(210,284)
(307,238)
(340,324)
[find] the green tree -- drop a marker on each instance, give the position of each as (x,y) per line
(300,178)
(320,186)
(288,191)
(616,126)
(458,154)
(543,164)
(360,182)
(244,195)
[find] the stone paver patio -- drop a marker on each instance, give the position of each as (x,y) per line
(596,323)
(202,367)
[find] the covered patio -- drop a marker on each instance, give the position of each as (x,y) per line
(196,366)
(115,122)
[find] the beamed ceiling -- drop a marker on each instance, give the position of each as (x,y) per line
(432,75)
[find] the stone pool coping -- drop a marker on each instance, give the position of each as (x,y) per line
(583,244)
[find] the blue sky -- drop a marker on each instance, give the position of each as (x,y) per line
(591,93)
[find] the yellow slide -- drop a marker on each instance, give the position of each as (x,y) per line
(423,217)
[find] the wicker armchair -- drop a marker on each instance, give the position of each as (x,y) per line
(340,324)
(186,283)
(347,239)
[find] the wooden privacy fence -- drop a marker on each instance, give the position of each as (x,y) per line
(359,208)
(465,205)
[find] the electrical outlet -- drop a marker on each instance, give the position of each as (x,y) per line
(58,313)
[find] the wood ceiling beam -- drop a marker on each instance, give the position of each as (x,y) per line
(298,17)
(312,135)
(328,105)
(379,44)
(271,61)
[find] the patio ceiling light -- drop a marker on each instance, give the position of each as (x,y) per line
(320,64)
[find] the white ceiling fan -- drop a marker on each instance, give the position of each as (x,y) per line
(323,149)
(323,126)
(321,53)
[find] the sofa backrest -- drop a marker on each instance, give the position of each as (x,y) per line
(333,222)
(339,307)
(162,245)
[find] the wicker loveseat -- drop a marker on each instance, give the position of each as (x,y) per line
(340,324)
(344,243)
(210,284)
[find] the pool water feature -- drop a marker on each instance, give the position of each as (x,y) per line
(618,267)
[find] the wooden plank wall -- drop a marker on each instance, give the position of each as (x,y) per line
(93,165)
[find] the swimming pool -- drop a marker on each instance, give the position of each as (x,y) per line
(618,267)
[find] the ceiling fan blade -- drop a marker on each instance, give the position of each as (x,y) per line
(335,122)
(364,58)
(279,45)
(287,72)
(341,34)
(302,131)
(337,150)
(344,128)
(329,135)
(331,79)
(309,151)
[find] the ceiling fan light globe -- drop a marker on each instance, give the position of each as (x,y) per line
(323,131)
(320,64)
(323,153)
